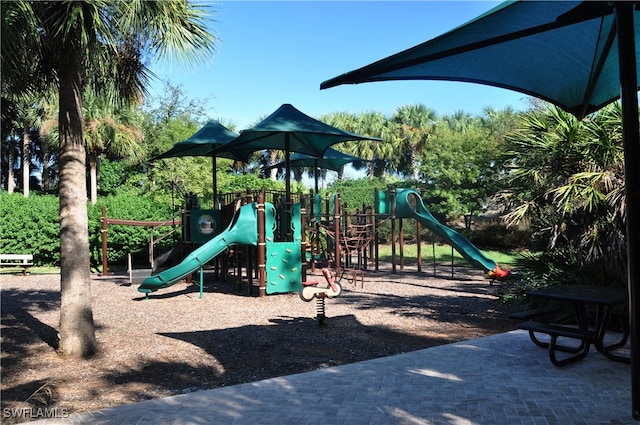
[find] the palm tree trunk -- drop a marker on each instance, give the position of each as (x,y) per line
(11,185)
(45,167)
(26,160)
(77,331)
(93,177)
(415,166)
(273,158)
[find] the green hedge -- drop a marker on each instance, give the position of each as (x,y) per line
(123,240)
(32,226)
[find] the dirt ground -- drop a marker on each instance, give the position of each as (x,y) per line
(176,342)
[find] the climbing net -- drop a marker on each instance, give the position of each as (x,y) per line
(354,235)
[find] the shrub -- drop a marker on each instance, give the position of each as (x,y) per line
(122,239)
(31,226)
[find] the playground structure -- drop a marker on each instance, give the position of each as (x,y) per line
(242,234)
(357,234)
(281,263)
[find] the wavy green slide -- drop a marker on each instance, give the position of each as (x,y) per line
(243,230)
(469,251)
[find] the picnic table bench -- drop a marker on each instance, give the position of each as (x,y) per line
(587,334)
(17,260)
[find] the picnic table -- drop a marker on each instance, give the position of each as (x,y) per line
(593,306)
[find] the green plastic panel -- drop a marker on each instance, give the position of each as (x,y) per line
(205,225)
(382,202)
(284,268)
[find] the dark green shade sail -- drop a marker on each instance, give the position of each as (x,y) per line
(210,136)
(290,130)
(201,143)
(563,52)
(331,160)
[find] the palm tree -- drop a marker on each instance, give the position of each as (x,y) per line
(372,124)
(347,122)
(416,125)
(26,115)
(567,178)
(108,130)
(101,45)
(460,121)
(382,154)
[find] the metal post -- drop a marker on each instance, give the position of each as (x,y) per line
(452,261)
(336,225)
(392,201)
(631,135)
(433,250)
(401,242)
(201,282)
(419,245)
(303,233)
(262,247)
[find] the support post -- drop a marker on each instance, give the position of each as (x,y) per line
(419,245)
(105,265)
(392,201)
(336,225)
(262,247)
(303,234)
(624,13)
(201,282)
(401,241)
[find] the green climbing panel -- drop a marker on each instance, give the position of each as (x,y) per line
(382,202)
(284,269)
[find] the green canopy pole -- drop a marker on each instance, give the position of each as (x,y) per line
(201,282)
(214,173)
(287,189)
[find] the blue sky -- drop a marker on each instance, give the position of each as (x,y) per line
(272,53)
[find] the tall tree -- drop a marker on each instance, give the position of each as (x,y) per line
(460,171)
(115,131)
(416,126)
(95,44)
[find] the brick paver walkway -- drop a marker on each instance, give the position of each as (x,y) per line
(501,379)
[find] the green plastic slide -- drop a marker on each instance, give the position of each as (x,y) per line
(243,230)
(469,251)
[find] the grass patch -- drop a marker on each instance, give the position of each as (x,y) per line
(443,254)
(31,270)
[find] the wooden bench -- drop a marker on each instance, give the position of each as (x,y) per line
(17,260)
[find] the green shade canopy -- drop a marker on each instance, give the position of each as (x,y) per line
(210,136)
(201,143)
(560,51)
(579,56)
(331,160)
(290,130)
